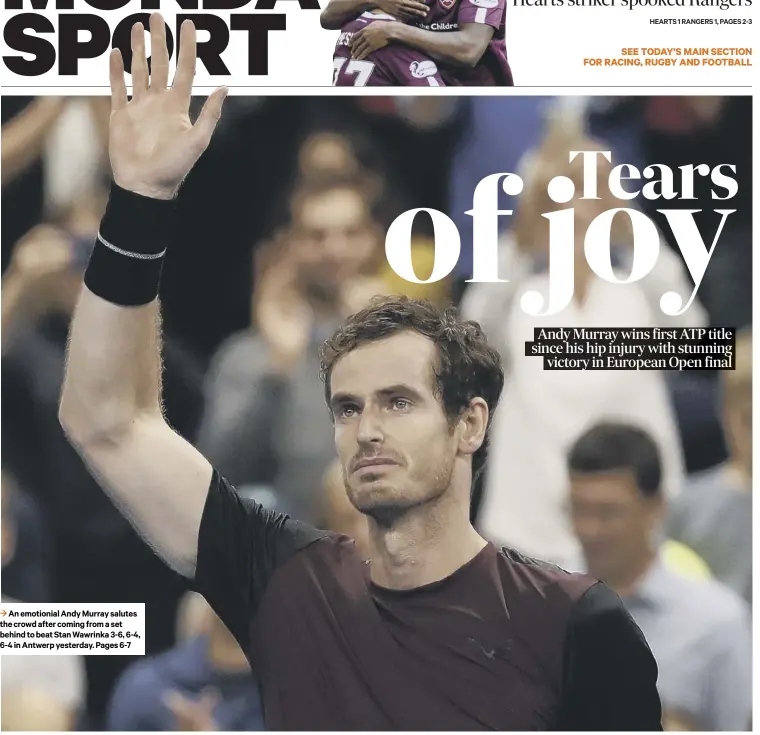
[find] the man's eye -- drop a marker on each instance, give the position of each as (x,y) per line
(346,412)
(401,403)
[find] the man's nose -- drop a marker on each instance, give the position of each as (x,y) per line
(370,427)
(591,530)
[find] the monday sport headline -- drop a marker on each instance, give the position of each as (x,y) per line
(42,39)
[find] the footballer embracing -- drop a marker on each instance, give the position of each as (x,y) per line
(414,43)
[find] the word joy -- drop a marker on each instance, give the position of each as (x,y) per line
(662,183)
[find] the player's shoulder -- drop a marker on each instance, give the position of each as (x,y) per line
(320,562)
(352,26)
(539,578)
(334,549)
(361,21)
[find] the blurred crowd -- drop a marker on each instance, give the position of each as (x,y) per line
(641,478)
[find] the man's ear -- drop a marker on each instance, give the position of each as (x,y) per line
(473,422)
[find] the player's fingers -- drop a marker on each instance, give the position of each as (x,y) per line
(183,79)
(367,48)
(118,87)
(209,117)
(358,44)
(415,7)
(139,62)
(355,39)
(159,54)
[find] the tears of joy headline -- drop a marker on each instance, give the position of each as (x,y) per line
(625,183)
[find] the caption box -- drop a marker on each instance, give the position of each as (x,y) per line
(92,630)
(634,349)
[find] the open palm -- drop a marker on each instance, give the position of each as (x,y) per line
(152,143)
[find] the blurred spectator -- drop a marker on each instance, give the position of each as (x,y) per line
(713,514)
(39,693)
(27,122)
(42,693)
(695,399)
(26,125)
(699,631)
(266,418)
(98,557)
(326,153)
(408,140)
(542,411)
(203,684)
(26,546)
(54,151)
(76,152)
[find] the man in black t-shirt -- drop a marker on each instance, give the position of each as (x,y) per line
(437,629)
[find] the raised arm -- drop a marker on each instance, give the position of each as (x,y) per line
(111,401)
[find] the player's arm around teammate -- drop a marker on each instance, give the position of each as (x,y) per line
(462,48)
(111,401)
(338,12)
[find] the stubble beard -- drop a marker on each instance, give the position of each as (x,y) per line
(388,503)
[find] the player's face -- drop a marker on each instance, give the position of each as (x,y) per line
(393,439)
(612,520)
(334,237)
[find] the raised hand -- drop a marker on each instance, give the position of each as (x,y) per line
(152,143)
(280,312)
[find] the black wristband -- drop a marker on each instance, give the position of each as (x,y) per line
(125,266)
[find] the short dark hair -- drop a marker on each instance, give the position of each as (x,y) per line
(319,185)
(467,366)
(611,446)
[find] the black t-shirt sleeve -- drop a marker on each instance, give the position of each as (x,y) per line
(609,672)
(240,546)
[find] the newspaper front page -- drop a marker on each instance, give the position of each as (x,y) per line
(377,365)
